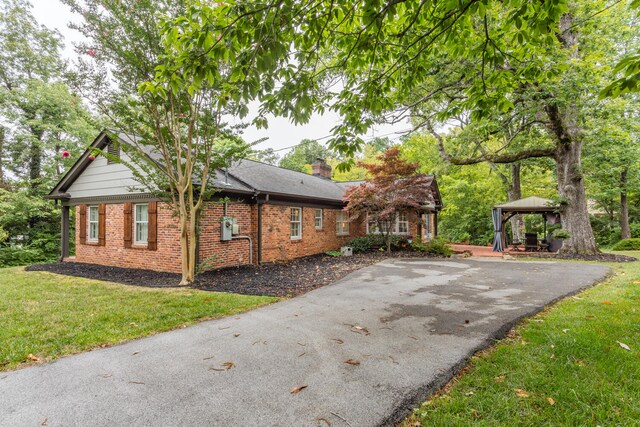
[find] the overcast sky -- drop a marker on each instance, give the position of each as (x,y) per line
(280,133)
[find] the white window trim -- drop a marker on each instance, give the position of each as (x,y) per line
(299,236)
(136,222)
(321,218)
(340,220)
(96,222)
(396,226)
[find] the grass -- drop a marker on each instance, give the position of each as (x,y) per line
(49,316)
(564,366)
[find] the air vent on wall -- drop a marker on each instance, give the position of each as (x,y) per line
(114,150)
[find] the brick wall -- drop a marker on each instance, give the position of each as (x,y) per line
(277,244)
(113,253)
(215,253)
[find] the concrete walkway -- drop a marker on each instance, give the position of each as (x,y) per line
(367,349)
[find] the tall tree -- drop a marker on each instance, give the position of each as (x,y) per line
(144,69)
(41,114)
(392,186)
(556,102)
(304,154)
(613,153)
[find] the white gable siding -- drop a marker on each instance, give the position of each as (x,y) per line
(102,179)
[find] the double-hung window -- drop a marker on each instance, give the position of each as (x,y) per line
(318,219)
(399,226)
(296,223)
(402,223)
(141,223)
(92,224)
(342,222)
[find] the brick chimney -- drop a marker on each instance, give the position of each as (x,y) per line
(321,168)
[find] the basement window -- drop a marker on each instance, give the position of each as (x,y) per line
(296,223)
(141,223)
(92,224)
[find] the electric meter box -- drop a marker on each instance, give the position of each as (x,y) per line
(227,226)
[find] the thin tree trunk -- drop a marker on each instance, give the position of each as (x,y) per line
(515,193)
(624,206)
(2,135)
(35,159)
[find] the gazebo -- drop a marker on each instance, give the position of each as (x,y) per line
(529,205)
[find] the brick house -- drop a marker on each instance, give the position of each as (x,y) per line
(272,214)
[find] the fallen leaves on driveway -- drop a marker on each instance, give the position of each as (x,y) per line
(360,330)
(298,389)
(227,366)
(352,362)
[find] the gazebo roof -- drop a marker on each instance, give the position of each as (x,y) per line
(529,204)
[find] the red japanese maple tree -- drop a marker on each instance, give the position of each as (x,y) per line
(392,186)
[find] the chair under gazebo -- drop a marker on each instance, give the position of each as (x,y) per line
(529,205)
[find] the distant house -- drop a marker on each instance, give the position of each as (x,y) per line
(274,214)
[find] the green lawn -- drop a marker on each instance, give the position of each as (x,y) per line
(49,316)
(563,367)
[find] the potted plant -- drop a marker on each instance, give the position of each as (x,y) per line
(557,237)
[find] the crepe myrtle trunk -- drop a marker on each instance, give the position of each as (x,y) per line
(624,206)
(188,239)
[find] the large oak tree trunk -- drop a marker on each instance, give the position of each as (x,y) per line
(624,206)
(574,215)
(564,128)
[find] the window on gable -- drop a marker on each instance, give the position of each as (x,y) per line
(296,223)
(113,149)
(141,223)
(318,219)
(92,224)
(342,222)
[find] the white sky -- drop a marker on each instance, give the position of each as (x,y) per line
(281,132)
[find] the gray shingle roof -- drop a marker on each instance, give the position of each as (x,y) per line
(275,180)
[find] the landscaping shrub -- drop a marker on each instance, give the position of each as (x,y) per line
(437,246)
(627,245)
(11,256)
(375,241)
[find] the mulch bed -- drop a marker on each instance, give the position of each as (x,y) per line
(287,279)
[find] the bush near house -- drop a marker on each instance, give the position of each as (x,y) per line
(372,242)
(438,246)
(627,245)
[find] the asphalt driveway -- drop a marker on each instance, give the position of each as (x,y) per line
(367,348)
